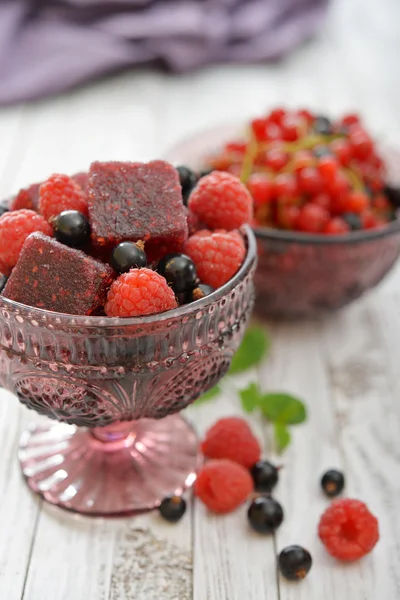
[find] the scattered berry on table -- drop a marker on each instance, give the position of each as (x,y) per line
(232,438)
(348,529)
(265,514)
(217,256)
(179,271)
(59,193)
(221,201)
(128,255)
(265,476)
(188,180)
(172,508)
(139,292)
(294,562)
(332,483)
(71,228)
(223,485)
(15,226)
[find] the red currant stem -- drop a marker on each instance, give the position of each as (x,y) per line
(355,178)
(248,160)
(303,144)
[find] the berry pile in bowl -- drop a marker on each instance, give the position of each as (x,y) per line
(325,214)
(113,319)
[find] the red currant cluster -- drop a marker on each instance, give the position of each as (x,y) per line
(308,173)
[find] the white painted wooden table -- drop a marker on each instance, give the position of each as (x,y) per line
(346,367)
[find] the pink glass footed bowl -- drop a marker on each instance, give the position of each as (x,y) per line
(114,388)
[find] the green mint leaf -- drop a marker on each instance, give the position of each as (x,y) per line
(282,436)
(253,347)
(209,395)
(283,408)
(250,397)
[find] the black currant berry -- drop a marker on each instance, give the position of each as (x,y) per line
(126,256)
(3,209)
(332,482)
(320,151)
(352,220)
(3,281)
(188,179)
(179,271)
(172,508)
(71,228)
(393,195)
(204,172)
(294,562)
(323,126)
(265,476)
(265,514)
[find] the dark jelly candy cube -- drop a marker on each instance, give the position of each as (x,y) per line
(137,201)
(52,276)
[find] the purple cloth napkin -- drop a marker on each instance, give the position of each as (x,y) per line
(47,46)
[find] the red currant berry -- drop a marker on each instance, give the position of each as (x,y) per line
(356,202)
(221,162)
(322,200)
(290,128)
(285,185)
(336,225)
(328,167)
(287,216)
(236,147)
(339,186)
(312,218)
(276,159)
(309,181)
(306,115)
(371,220)
(343,150)
(258,127)
(381,203)
(261,188)
(277,115)
(302,160)
(273,132)
(361,143)
(350,119)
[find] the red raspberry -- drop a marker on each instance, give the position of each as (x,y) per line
(223,485)
(139,292)
(348,530)
(312,218)
(232,438)
(217,256)
(15,226)
(221,201)
(336,225)
(26,198)
(261,188)
(59,193)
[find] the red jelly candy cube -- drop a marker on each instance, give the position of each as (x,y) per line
(137,201)
(55,277)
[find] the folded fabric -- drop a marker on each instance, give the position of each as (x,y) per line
(47,46)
